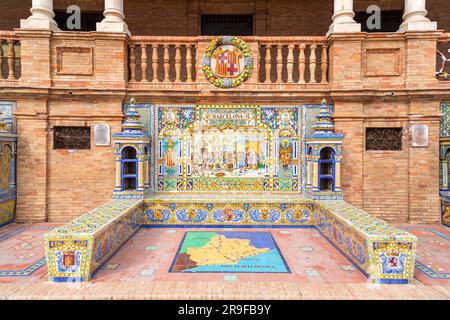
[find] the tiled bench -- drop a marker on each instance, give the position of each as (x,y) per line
(78,249)
(383,253)
(7,203)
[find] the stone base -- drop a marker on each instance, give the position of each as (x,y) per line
(344,28)
(418,26)
(113,27)
(43,24)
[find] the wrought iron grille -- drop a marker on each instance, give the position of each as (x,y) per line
(226,24)
(72,138)
(384,139)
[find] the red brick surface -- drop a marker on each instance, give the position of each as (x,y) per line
(57,185)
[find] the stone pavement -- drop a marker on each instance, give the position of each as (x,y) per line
(140,270)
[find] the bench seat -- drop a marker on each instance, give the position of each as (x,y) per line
(383,253)
(78,249)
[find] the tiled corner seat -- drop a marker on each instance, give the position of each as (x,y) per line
(77,250)
(383,253)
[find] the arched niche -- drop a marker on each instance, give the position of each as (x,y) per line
(327,169)
(129,168)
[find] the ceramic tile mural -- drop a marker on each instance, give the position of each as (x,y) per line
(232,210)
(7,162)
(445,120)
(209,148)
(444,168)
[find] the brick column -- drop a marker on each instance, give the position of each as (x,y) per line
(415,17)
(32,155)
(114,18)
(41,16)
(343,21)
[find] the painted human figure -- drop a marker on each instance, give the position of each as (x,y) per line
(243,162)
(261,164)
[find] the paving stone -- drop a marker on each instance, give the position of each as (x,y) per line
(231,278)
(147,272)
(312,273)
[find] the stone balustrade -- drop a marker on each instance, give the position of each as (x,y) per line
(443,58)
(293,60)
(301,60)
(162,59)
(9,56)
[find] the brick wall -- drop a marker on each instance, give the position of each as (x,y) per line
(181,17)
(80,180)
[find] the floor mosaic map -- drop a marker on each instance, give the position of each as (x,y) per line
(229,251)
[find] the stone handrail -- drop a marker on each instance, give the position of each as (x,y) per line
(9,56)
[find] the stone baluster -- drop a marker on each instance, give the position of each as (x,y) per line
(177,62)
(324,63)
(415,17)
(301,63)
(312,64)
(166,59)
(144,63)
(290,63)
(41,16)
(11,59)
(268,59)
(280,63)
(189,63)
(132,62)
(154,62)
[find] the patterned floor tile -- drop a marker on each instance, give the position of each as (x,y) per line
(230,278)
(111,267)
(312,273)
(147,272)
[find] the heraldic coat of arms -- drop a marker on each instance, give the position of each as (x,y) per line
(227,62)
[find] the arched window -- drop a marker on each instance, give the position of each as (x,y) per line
(129,169)
(326,169)
(5,166)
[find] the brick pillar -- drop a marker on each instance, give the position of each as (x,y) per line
(35,58)
(424,203)
(421,59)
(32,124)
(32,147)
(111,61)
(345,58)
